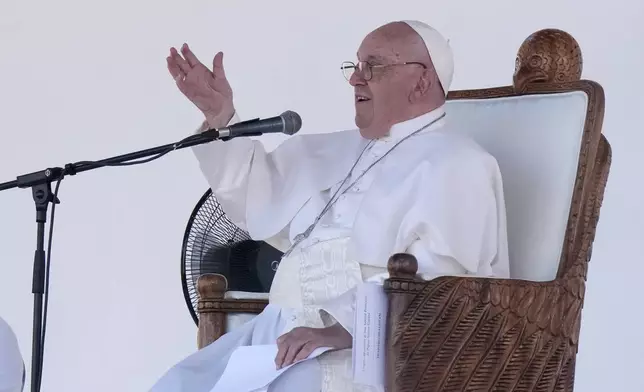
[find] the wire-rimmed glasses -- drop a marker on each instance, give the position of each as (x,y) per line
(365,70)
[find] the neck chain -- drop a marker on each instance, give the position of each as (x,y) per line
(336,196)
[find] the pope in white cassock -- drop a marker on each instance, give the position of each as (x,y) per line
(340,204)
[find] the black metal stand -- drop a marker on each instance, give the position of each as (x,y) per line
(40,182)
(42,195)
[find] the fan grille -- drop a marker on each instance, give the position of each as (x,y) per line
(214,244)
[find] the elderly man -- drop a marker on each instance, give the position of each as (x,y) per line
(339,204)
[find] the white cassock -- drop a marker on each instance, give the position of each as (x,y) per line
(12,368)
(437,195)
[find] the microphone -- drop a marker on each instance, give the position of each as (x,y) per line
(288,122)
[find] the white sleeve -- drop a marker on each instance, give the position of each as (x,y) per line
(340,310)
(226,166)
(454,228)
(262,191)
(204,125)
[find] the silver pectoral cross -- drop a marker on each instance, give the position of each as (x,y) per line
(296,241)
(302,236)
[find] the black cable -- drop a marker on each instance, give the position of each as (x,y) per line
(71,168)
(132,163)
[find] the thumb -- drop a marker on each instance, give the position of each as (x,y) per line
(218,64)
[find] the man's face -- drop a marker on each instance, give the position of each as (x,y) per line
(383,95)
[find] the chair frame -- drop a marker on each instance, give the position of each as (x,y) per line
(466,334)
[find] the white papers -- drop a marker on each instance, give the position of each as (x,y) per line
(369,334)
(252,368)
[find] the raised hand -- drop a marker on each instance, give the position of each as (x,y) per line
(208,90)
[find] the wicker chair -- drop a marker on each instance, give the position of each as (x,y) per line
(479,334)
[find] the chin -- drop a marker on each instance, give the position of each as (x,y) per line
(361,122)
(364,133)
(369,133)
(365,125)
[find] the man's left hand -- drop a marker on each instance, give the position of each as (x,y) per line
(299,343)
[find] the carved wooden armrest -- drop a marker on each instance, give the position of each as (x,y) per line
(213,307)
(480,334)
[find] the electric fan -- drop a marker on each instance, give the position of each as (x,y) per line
(213,244)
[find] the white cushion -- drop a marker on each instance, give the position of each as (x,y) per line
(536,140)
(234,320)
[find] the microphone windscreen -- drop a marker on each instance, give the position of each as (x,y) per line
(292,122)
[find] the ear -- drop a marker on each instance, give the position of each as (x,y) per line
(423,86)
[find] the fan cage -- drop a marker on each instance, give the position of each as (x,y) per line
(212,243)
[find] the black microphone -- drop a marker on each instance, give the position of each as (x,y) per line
(288,122)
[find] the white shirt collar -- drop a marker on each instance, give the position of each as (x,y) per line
(403,129)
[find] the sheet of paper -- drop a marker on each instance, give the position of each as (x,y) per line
(252,368)
(369,334)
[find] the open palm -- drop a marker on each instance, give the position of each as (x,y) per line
(208,90)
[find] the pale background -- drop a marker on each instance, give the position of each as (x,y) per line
(87,80)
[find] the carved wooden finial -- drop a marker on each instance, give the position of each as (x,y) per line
(550,56)
(211,286)
(402,265)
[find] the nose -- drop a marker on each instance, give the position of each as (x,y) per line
(356,79)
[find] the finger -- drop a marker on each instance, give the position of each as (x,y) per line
(282,348)
(190,57)
(181,62)
(285,337)
(218,65)
(306,350)
(173,68)
(293,350)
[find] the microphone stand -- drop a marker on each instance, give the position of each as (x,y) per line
(40,184)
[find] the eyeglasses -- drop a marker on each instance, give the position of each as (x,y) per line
(366,70)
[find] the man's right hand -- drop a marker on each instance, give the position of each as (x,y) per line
(209,91)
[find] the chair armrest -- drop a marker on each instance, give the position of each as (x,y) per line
(462,333)
(215,303)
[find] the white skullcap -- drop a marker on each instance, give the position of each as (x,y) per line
(439,51)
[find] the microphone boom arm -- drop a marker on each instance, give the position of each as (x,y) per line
(52,174)
(40,182)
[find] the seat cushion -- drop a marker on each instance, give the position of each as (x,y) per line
(234,320)
(536,140)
